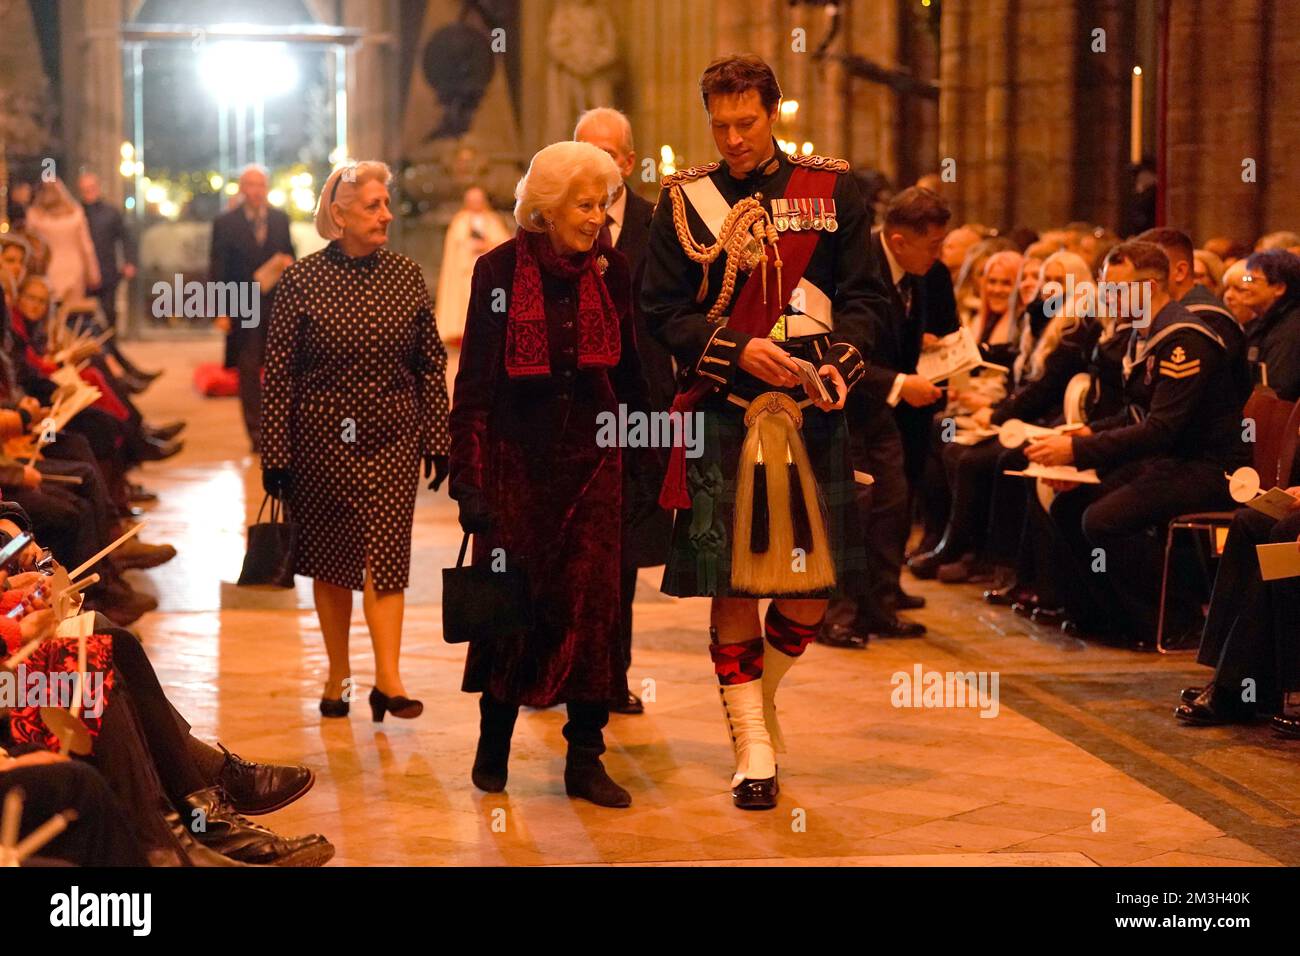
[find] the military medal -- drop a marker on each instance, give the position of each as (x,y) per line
(807,221)
(796,221)
(831,222)
(780,219)
(818,221)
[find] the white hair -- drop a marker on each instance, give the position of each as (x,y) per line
(607,114)
(341,188)
(553,172)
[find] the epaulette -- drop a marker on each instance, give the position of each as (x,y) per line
(822,162)
(688,175)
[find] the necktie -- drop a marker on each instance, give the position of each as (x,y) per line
(607,237)
(905,292)
(259,228)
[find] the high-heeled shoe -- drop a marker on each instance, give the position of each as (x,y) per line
(401,707)
(334,707)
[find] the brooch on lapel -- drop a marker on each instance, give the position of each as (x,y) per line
(601,264)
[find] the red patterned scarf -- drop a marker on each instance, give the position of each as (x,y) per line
(527,349)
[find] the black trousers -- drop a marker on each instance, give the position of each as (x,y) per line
(107,296)
(876,447)
(1002,541)
(1115,536)
(628,585)
(249,347)
(102,834)
(1252,630)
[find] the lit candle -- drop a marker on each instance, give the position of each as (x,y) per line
(1135,134)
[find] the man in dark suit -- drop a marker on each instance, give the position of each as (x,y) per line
(890,411)
(243,240)
(647,528)
(108,234)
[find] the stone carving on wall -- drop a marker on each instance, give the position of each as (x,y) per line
(582,46)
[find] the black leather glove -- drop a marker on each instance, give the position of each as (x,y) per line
(437,467)
(474,515)
(276,481)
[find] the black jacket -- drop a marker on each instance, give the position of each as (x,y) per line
(234,256)
(1204,303)
(1180,401)
(671,280)
(1041,400)
(898,335)
(106,231)
(1273,348)
(647,528)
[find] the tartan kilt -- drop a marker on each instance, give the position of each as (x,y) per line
(699,560)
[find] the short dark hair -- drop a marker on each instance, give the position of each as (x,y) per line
(1171,240)
(1278,266)
(738,73)
(1142,256)
(917,208)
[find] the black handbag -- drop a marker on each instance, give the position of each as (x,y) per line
(272,550)
(479,603)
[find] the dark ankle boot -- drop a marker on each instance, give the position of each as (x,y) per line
(492,759)
(584,774)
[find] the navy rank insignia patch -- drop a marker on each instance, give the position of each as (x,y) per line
(1178,365)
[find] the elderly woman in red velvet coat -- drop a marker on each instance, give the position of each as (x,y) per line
(549,345)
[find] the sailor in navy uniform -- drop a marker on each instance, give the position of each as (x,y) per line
(691,291)
(1163,455)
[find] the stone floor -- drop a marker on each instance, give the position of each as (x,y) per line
(1082,764)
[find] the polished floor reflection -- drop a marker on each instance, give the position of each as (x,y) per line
(1082,765)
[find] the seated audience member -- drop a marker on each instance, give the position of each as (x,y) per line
(1166,455)
(1187,292)
(992,326)
(1285,241)
(1037,593)
(1228,250)
(1271,287)
(1236,295)
(957,245)
(50,783)
(1208,269)
(140,744)
(1252,631)
(1053,358)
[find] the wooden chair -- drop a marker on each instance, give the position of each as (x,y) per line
(1277,426)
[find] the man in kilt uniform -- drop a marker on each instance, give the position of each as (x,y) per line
(757,280)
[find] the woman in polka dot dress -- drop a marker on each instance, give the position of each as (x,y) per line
(355,399)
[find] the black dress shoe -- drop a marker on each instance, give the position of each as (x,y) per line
(216,824)
(755,794)
(895,627)
(165,432)
(842,635)
(151,450)
(909,602)
(256,788)
(1049,616)
(1026,606)
(404,708)
(1010,595)
(1213,708)
(330,707)
(628,705)
(1190,694)
(1288,725)
(926,565)
(139,494)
